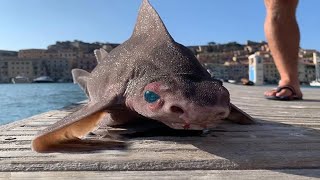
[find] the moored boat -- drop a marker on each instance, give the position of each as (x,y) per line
(20,79)
(232,81)
(43,79)
(315,83)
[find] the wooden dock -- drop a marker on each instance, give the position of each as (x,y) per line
(283,144)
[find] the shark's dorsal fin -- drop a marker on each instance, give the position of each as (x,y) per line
(81,77)
(149,23)
(100,54)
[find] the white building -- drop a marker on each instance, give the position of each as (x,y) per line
(316,61)
(256,69)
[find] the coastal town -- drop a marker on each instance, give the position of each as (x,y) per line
(229,61)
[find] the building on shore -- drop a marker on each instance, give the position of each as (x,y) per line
(87,63)
(316,62)
(18,67)
(5,58)
(270,71)
(4,75)
(230,70)
(59,69)
(6,53)
(230,64)
(224,61)
(256,64)
(56,62)
(32,53)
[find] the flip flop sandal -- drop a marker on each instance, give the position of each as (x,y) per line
(291,97)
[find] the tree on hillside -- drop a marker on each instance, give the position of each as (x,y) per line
(211,43)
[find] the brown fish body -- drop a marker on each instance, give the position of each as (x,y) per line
(150,76)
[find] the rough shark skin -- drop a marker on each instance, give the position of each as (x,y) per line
(150,60)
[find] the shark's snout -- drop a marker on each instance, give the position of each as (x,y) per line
(197,117)
(193,112)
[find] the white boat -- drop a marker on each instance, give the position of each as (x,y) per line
(20,79)
(315,83)
(232,81)
(43,79)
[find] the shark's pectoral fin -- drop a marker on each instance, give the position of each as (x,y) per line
(76,73)
(239,116)
(81,77)
(68,137)
(67,134)
(101,55)
(88,145)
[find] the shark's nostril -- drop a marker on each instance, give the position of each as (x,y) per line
(176,109)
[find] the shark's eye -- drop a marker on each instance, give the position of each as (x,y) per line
(151,97)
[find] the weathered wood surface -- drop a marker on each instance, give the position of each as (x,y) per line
(304,174)
(286,136)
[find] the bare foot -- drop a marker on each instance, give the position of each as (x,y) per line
(285,92)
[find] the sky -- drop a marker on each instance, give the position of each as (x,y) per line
(38,23)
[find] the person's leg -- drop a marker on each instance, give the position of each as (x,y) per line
(283,36)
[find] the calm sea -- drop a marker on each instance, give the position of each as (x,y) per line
(18,101)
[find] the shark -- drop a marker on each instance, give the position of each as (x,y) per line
(149,76)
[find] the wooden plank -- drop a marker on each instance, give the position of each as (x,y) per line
(18,133)
(286,135)
(291,174)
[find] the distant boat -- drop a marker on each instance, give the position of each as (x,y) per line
(43,79)
(20,79)
(315,83)
(232,81)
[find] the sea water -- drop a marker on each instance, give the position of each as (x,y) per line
(18,101)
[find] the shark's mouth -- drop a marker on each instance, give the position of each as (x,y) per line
(191,126)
